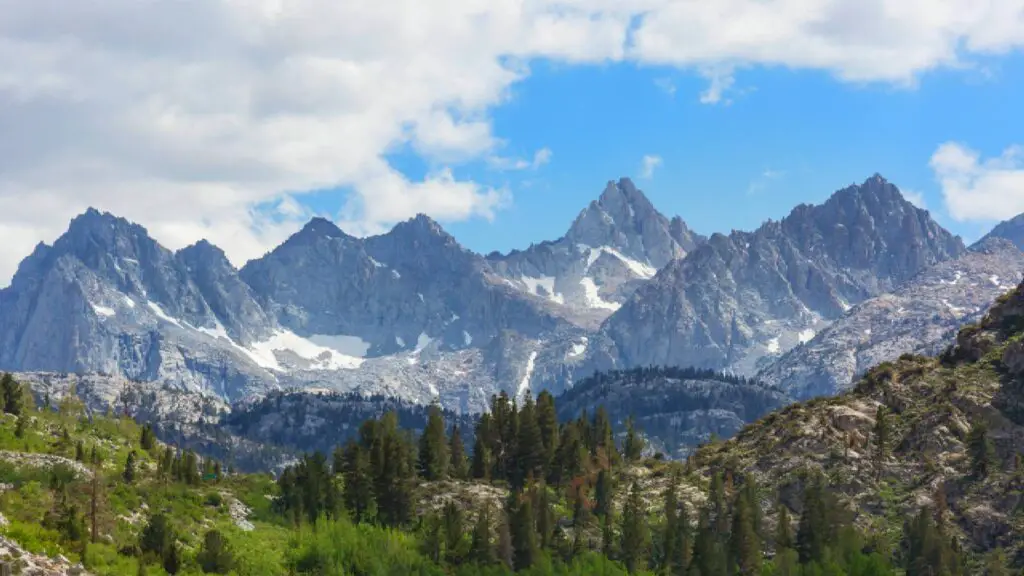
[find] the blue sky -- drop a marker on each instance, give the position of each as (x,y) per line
(237,122)
(784,137)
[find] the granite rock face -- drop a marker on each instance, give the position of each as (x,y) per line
(741,297)
(615,245)
(921,316)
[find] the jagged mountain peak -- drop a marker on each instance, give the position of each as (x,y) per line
(320,227)
(1012,230)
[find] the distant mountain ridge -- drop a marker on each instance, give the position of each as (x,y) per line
(413,314)
(741,297)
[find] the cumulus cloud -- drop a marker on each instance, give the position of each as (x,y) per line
(193,116)
(975,188)
(648,164)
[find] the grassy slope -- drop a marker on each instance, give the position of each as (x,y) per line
(125,508)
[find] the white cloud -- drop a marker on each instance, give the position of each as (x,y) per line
(980,189)
(648,164)
(187,115)
(914,197)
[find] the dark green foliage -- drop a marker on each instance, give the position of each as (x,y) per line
(481,550)
(530,452)
(80,451)
(929,550)
(547,421)
(783,530)
(524,535)
(459,467)
(20,427)
(354,466)
(482,461)
(634,445)
(158,543)
(129,468)
(148,438)
(745,542)
(981,449)
(635,533)
(452,524)
(215,555)
(433,450)
(12,395)
(603,496)
(308,490)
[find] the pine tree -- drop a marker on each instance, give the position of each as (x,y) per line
(505,550)
(529,446)
(635,535)
(708,551)
(602,442)
(482,460)
(603,496)
(434,459)
(358,483)
(129,468)
(547,421)
(215,555)
(452,525)
(670,536)
(882,434)
(79,451)
(744,543)
(683,549)
(634,445)
(524,536)
(783,530)
(148,438)
(13,397)
(812,534)
(545,518)
(608,532)
(459,466)
(21,427)
(982,449)
(481,550)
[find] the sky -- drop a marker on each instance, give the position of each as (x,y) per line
(238,120)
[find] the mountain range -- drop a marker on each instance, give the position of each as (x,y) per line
(802,303)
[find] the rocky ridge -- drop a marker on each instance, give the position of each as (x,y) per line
(741,297)
(931,406)
(921,316)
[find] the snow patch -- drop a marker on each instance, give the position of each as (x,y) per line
(774,347)
(641,269)
(395,274)
(343,343)
(128,301)
(217,331)
(103,311)
(161,314)
(994,280)
(806,336)
(467,339)
(543,286)
(578,348)
(400,341)
(375,263)
(593,298)
(285,341)
(524,384)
